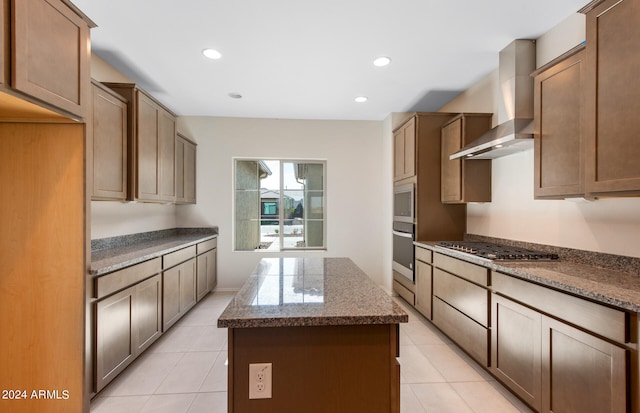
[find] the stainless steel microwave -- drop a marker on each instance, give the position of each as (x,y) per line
(403,203)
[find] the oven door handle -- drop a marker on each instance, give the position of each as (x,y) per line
(403,234)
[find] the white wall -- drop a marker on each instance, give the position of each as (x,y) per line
(358,195)
(110,219)
(606,225)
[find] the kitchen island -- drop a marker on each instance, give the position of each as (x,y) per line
(330,335)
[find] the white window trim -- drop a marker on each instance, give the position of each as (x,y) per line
(281,161)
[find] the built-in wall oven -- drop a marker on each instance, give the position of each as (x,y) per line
(403,230)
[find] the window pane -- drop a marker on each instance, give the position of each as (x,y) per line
(261,203)
(315,209)
(314,234)
(304,219)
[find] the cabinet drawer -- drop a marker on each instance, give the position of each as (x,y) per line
(424,255)
(175,258)
(206,246)
(469,335)
(468,298)
(471,272)
(404,292)
(601,320)
(116,281)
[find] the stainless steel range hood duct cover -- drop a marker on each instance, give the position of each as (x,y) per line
(510,137)
(514,132)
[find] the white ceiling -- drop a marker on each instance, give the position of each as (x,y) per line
(303,59)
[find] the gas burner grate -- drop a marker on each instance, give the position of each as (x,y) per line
(498,252)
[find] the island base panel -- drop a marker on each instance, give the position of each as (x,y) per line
(318,369)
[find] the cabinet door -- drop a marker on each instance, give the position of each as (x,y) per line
(464,180)
(51,54)
(114,349)
(189,172)
(201,276)
(410,148)
(170,297)
(148,312)
(148,151)
(613,98)
(398,155)
(212,269)
(187,285)
(558,138)
(108,130)
(423,288)
(516,357)
(206,270)
(178,292)
(580,372)
(185,171)
(404,149)
(167,155)
(451,170)
(180,143)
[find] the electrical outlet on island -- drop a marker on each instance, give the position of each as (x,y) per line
(260,380)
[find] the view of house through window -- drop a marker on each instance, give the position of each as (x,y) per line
(279,204)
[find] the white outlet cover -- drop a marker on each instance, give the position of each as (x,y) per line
(260,380)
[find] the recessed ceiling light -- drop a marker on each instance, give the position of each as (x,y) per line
(212,54)
(382,61)
(235,95)
(361,99)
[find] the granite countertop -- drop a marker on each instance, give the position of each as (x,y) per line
(112,254)
(604,285)
(293,292)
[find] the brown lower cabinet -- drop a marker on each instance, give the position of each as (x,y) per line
(126,324)
(550,364)
(206,270)
(461,304)
(179,286)
(423,276)
(557,352)
(135,305)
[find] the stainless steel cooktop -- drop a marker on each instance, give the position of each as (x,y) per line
(497,252)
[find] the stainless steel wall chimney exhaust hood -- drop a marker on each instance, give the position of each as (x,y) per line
(514,132)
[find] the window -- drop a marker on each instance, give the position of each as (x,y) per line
(279,205)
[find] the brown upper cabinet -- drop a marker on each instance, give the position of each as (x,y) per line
(404,150)
(185,170)
(558,127)
(107,133)
(464,180)
(612,98)
(151,130)
(45,57)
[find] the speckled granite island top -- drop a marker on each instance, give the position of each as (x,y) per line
(616,288)
(112,254)
(293,292)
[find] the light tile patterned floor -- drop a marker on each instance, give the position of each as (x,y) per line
(185,371)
